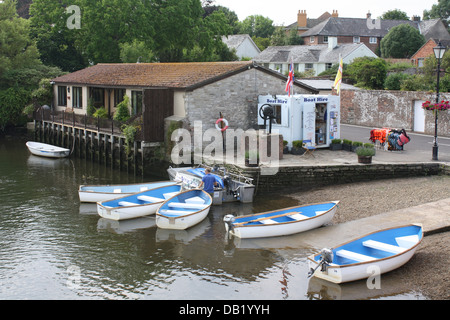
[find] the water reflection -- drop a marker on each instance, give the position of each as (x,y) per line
(46,233)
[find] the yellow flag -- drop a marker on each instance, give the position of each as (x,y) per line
(338,80)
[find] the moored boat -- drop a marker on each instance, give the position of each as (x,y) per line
(184,210)
(98,193)
(281,222)
(138,204)
(47,150)
(378,252)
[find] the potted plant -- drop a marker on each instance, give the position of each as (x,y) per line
(365,154)
(251,158)
(356,145)
(336,144)
(347,144)
(285,147)
(297,147)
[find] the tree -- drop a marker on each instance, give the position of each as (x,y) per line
(257,26)
(369,73)
(395,14)
(401,41)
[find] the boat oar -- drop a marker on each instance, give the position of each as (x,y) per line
(327,258)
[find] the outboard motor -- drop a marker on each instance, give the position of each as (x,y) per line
(229,219)
(327,258)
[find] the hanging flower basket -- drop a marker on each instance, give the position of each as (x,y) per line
(443,105)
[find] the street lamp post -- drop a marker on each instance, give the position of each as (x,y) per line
(439,51)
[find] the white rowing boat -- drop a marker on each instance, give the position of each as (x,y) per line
(47,150)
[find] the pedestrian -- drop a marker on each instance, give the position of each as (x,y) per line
(208,181)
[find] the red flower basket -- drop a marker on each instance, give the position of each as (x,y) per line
(443,105)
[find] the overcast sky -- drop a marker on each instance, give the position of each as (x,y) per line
(284,12)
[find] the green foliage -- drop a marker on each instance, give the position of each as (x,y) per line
(402,41)
(346,141)
(122,111)
(129,132)
(90,109)
(365,151)
(101,113)
(336,141)
(297,143)
(368,73)
(395,80)
(257,26)
(12,103)
(136,51)
(395,14)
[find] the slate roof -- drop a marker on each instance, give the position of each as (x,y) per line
(306,54)
(168,75)
(336,26)
(235,40)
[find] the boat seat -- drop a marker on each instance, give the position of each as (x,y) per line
(117,190)
(169,195)
(354,256)
(150,199)
(383,246)
(127,204)
(144,189)
(298,216)
(195,200)
(267,221)
(407,241)
(187,205)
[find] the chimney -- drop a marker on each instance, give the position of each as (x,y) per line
(369,15)
(301,19)
(335,14)
(416,18)
(332,42)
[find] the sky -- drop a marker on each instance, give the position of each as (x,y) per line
(284,12)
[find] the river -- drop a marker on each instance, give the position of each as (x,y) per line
(53,247)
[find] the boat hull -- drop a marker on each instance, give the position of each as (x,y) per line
(47,150)
(136,205)
(99,193)
(183,216)
(283,228)
(341,273)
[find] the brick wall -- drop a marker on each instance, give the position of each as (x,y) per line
(394,109)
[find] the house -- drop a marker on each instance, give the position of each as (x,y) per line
(315,59)
(427,50)
(304,23)
(368,31)
(185,92)
(243,44)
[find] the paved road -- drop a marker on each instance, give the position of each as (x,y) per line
(419,147)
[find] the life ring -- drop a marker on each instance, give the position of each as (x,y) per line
(224,121)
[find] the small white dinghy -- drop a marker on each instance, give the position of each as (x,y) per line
(47,150)
(184,210)
(137,205)
(380,251)
(98,193)
(281,222)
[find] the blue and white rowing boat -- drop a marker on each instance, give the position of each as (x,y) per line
(379,252)
(98,193)
(184,210)
(138,204)
(281,222)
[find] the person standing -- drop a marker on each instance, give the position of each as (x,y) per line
(208,181)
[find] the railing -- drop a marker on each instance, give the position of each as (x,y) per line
(68,118)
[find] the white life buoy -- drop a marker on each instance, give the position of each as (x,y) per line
(224,121)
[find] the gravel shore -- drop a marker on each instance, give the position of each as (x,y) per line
(428,271)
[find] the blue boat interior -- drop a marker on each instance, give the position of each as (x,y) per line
(186,203)
(298,213)
(201,172)
(151,196)
(132,188)
(378,245)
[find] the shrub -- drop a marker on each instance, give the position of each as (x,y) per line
(336,141)
(364,151)
(297,143)
(122,112)
(101,113)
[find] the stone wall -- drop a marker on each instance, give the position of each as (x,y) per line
(313,177)
(393,109)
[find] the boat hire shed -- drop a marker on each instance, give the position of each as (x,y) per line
(184,92)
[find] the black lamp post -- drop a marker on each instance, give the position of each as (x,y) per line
(439,51)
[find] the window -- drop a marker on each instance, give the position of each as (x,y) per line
(309,66)
(420,62)
(136,102)
(312,39)
(373,40)
(356,39)
(77,93)
(119,94)
(62,96)
(98,97)
(325,39)
(328,66)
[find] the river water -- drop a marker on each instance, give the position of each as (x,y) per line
(53,247)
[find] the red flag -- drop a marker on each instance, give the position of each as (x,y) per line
(290,80)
